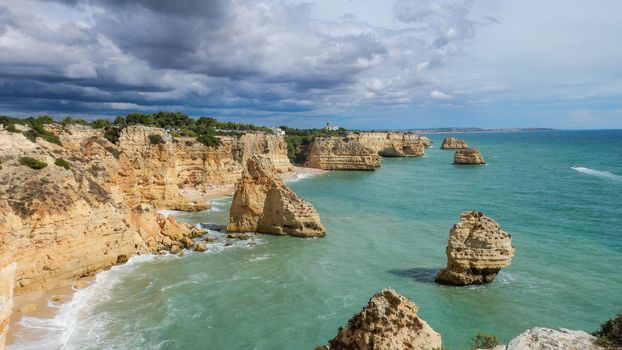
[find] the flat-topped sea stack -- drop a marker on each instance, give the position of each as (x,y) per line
(389,321)
(468,156)
(392,144)
(454,143)
(340,153)
(477,250)
(263,203)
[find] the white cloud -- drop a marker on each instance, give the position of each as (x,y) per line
(439,95)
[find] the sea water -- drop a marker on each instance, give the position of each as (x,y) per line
(559,193)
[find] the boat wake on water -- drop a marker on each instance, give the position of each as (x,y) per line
(599,173)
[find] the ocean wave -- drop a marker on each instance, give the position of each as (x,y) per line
(599,173)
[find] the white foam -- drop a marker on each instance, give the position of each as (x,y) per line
(599,173)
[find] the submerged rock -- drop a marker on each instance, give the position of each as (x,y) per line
(477,250)
(201,247)
(468,156)
(341,153)
(263,203)
(389,321)
(551,339)
(453,143)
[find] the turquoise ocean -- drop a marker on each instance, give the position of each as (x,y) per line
(386,228)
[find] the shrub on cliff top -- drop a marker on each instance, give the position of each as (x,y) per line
(483,341)
(32,163)
(610,333)
(156,139)
(37,130)
(62,163)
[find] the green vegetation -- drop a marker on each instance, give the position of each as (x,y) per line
(62,163)
(32,163)
(483,341)
(610,333)
(298,139)
(100,123)
(156,139)
(37,130)
(71,121)
(9,123)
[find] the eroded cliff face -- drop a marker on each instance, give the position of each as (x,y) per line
(263,203)
(389,321)
(7,278)
(468,156)
(392,144)
(477,250)
(341,153)
(453,143)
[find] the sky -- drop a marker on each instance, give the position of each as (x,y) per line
(365,64)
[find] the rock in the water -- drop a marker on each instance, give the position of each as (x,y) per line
(468,156)
(551,339)
(341,153)
(239,236)
(201,247)
(389,321)
(263,203)
(175,249)
(476,250)
(454,143)
(187,242)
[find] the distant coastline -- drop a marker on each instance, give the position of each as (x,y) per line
(472,130)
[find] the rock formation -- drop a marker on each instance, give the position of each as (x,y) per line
(263,203)
(454,143)
(468,156)
(476,250)
(551,339)
(7,278)
(340,153)
(389,321)
(392,144)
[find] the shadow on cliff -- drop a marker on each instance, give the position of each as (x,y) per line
(419,274)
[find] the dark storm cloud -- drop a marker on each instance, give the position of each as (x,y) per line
(262,56)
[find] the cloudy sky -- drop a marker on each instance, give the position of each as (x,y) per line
(356,63)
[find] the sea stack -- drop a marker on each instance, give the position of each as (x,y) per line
(468,156)
(263,203)
(454,143)
(477,250)
(341,153)
(389,321)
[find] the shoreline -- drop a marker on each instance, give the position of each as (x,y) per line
(46,304)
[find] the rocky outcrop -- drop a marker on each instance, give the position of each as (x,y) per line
(340,153)
(263,203)
(392,144)
(389,321)
(477,250)
(551,339)
(468,156)
(7,278)
(454,143)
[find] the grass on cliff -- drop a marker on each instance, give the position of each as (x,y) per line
(299,139)
(610,333)
(32,163)
(483,341)
(156,139)
(62,163)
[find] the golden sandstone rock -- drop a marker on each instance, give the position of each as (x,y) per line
(392,144)
(468,156)
(477,250)
(263,203)
(453,143)
(389,321)
(341,153)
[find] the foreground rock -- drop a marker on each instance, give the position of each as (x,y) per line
(341,153)
(389,321)
(392,144)
(477,250)
(468,156)
(551,339)
(263,203)
(454,143)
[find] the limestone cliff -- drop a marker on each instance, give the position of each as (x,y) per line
(392,144)
(337,153)
(453,143)
(477,250)
(389,321)
(551,339)
(468,156)
(7,278)
(263,203)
